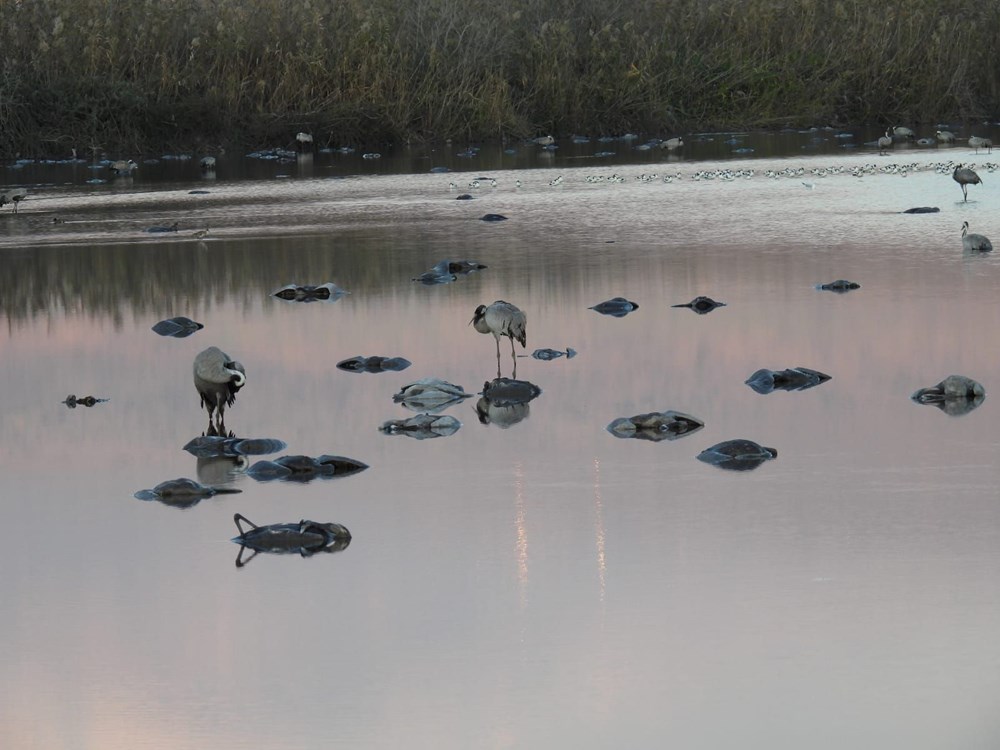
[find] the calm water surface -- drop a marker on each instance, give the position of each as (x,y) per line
(519,584)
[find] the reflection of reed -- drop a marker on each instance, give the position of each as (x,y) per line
(599,534)
(520,523)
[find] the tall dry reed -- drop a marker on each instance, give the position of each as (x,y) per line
(133,74)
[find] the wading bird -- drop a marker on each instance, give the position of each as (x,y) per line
(901,131)
(945,136)
(974,243)
(672,143)
(965,177)
(14,196)
(502,319)
(123,168)
(884,142)
(207,164)
(977,143)
(217,377)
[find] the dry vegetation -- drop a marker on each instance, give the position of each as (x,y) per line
(155,73)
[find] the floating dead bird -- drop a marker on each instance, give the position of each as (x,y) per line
(305,468)
(547,355)
(373,364)
(840,286)
(212,446)
(702,305)
(328,292)
(305,538)
(182,493)
(922,210)
(493,217)
(447,270)
(162,229)
(178,327)
(430,395)
(792,379)
(617,307)
(655,426)
(73,401)
(955,395)
(737,455)
(422,426)
(505,402)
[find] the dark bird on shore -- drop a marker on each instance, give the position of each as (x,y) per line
(502,319)
(884,142)
(977,143)
(123,168)
(974,243)
(217,377)
(15,196)
(965,177)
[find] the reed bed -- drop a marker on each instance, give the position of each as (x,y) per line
(204,73)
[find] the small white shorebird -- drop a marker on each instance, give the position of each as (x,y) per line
(502,319)
(974,243)
(217,377)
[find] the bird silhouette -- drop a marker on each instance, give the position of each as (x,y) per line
(965,177)
(217,377)
(502,319)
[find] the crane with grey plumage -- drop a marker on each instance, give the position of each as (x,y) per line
(884,142)
(502,319)
(974,243)
(217,377)
(14,196)
(965,177)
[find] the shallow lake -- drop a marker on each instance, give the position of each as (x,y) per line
(530,581)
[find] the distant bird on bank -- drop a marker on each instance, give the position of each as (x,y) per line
(903,132)
(217,377)
(544,140)
(974,243)
(672,143)
(977,143)
(15,196)
(207,164)
(123,168)
(965,177)
(945,136)
(884,142)
(502,319)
